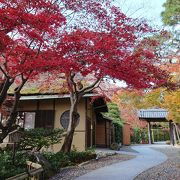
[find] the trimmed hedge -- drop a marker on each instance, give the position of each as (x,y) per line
(118,132)
(60,159)
(8,168)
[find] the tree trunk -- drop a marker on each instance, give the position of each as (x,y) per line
(66,147)
(11,120)
(4,87)
(73,118)
(76,93)
(10,126)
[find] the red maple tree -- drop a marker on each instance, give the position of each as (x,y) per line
(26,43)
(77,39)
(109,45)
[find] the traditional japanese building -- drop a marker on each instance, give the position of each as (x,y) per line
(52,111)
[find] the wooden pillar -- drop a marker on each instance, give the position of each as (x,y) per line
(177,132)
(105,126)
(112,133)
(149,133)
(91,134)
(174,134)
(152,135)
(171,132)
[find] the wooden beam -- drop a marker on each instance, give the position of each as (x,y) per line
(105,126)
(174,134)
(171,133)
(149,133)
(177,132)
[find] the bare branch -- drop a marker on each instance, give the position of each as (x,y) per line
(91,87)
(3,71)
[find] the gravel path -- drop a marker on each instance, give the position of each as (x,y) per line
(73,172)
(127,170)
(169,170)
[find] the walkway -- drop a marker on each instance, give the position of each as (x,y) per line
(128,170)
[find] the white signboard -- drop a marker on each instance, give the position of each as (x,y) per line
(29,120)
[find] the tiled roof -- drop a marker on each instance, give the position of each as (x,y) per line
(153,113)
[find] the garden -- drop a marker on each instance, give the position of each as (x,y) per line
(33,147)
(81,50)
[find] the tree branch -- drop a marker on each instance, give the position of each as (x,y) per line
(91,87)
(3,71)
(4,89)
(12,117)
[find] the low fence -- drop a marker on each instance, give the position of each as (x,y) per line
(34,172)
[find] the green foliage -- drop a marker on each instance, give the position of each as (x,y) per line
(178,142)
(114,114)
(139,136)
(114,146)
(92,149)
(57,160)
(136,137)
(79,157)
(7,168)
(160,135)
(118,132)
(38,138)
(171,14)
(144,136)
(60,159)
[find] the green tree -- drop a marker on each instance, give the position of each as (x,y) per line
(114,114)
(171,17)
(171,14)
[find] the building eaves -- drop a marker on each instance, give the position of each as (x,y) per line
(153,113)
(52,96)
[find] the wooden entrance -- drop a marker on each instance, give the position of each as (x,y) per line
(157,115)
(103,131)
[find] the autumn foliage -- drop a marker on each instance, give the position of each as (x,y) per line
(129,101)
(71,38)
(26,44)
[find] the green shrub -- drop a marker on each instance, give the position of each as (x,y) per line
(136,136)
(139,136)
(114,114)
(144,135)
(115,146)
(118,132)
(91,149)
(161,135)
(79,157)
(8,168)
(168,142)
(38,138)
(57,160)
(60,159)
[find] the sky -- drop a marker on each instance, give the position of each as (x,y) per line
(149,9)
